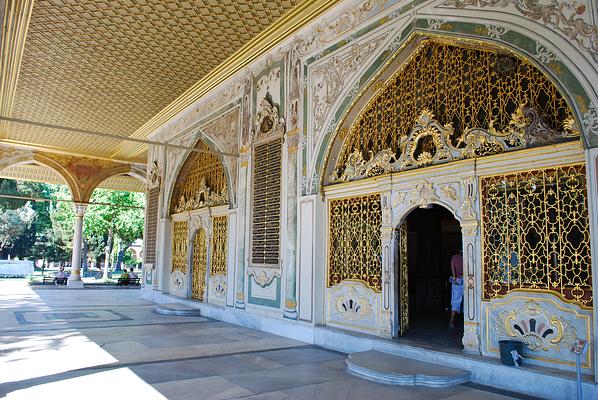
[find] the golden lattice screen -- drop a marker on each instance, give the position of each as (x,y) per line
(463,86)
(179,246)
(536,234)
(198,170)
(355,248)
(218,256)
(200,260)
(267,172)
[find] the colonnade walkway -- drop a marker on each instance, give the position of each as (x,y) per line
(108,344)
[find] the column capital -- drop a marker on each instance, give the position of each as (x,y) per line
(79,209)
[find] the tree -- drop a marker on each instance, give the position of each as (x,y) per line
(117,224)
(13,223)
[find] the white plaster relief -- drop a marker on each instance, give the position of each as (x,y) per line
(351,303)
(329,78)
(495,31)
(217,291)
(571,18)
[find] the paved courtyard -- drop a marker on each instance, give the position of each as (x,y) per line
(108,344)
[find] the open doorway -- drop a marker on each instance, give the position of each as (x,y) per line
(433,237)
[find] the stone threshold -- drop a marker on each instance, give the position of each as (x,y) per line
(536,381)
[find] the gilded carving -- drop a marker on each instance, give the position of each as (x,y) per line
(268,124)
(204,197)
(430,143)
(412,122)
(423,194)
(449,192)
(535,327)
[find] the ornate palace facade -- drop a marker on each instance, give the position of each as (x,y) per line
(292,213)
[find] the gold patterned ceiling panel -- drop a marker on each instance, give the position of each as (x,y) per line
(110,66)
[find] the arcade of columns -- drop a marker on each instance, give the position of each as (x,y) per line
(82,175)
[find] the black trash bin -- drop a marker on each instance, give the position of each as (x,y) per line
(506,346)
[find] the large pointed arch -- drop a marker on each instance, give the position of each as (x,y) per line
(202,180)
(458,85)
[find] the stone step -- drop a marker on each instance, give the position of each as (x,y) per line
(178,310)
(396,370)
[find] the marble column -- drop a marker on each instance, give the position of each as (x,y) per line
(242,238)
(74,280)
(472,287)
(591,156)
(290,272)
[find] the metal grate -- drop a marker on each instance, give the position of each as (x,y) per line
(536,234)
(355,250)
(267,171)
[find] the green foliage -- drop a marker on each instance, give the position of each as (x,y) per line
(45,229)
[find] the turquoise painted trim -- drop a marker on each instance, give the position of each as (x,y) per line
(258,301)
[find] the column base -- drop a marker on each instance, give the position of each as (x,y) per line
(290,314)
(74,284)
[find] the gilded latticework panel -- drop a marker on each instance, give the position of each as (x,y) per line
(200,259)
(462,86)
(536,233)
(219,239)
(265,243)
(201,182)
(355,244)
(179,246)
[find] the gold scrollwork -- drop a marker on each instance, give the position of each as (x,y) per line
(355,247)
(488,103)
(179,246)
(218,259)
(200,259)
(536,234)
(201,182)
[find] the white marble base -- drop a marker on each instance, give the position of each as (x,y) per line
(394,370)
(71,284)
(544,383)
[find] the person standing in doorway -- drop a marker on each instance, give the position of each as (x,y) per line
(456,285)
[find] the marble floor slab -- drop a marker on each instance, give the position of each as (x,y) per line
(74,350)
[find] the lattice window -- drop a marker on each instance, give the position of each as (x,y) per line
(267,171)
(536,233)
(200,260)
(201,182)
(466,87)
(179,246)
(355,249)
(218,259)
(151,225)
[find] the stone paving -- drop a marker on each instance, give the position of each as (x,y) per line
(108,344)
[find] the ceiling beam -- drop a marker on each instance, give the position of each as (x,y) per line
(114,136)
(15,23)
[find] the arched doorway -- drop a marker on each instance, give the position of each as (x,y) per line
(429,238)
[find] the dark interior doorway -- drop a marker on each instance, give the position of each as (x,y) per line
(433,237)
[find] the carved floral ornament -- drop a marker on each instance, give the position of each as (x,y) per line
(268,124)
(204,197)
(154,175)
(430,142)
(536,327)
(565,16)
